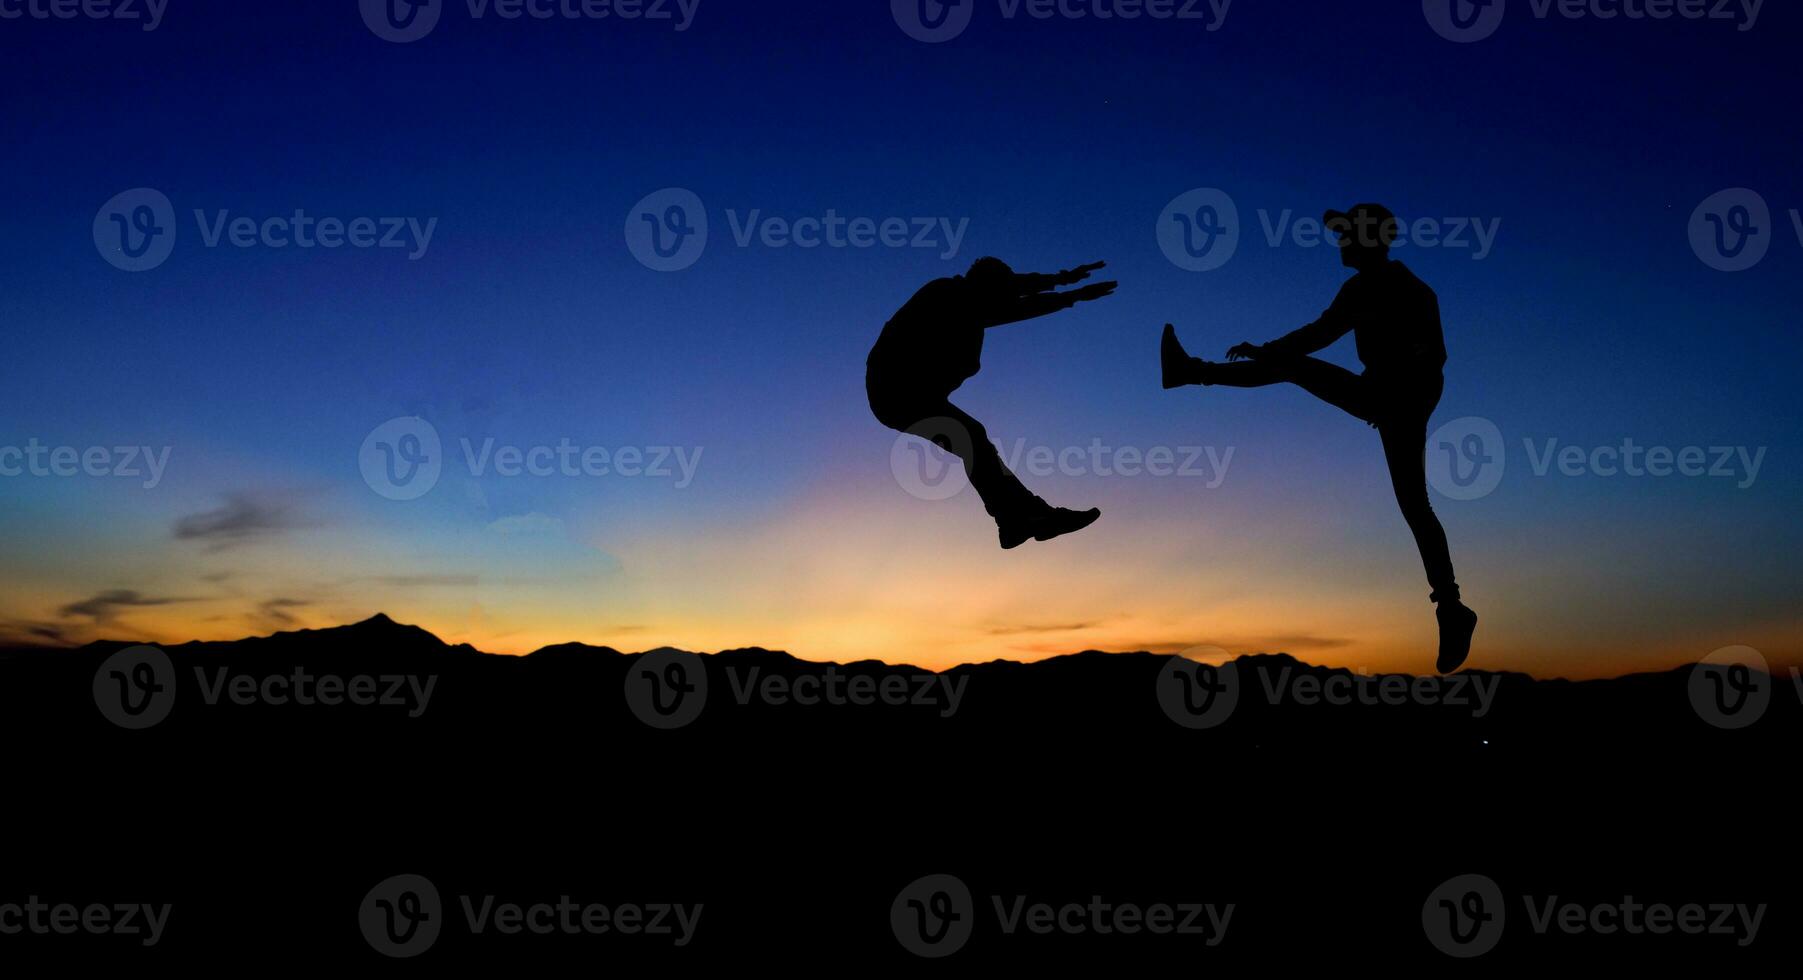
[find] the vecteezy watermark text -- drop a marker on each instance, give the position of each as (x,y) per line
(1467,21)
(1466,915)
(137,230)
(403,917)
(931,460)
(403,459)
(669,688)
(136,688)
(38,917)
(149,12)
(937,21)
(1200,230)
(128,462)
(1466,459)
(934,916)
(1201,687)
(668,230)
(406,21)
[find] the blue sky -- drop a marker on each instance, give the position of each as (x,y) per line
(1586,145)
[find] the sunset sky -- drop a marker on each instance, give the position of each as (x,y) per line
(527,320)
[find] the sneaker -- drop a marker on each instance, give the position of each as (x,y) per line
(1059,520)
(1456,625)
(1178,367)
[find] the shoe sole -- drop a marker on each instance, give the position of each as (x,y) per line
(1047,537)
(1464,655)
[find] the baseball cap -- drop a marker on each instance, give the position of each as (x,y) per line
(1367,224)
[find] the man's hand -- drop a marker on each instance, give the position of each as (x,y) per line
(1241,352)
(1095,290)
(1080,273)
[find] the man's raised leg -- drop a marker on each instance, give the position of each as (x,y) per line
(1329,382)
(1019,514)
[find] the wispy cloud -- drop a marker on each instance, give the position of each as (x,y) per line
(532,523)
(24,632)
(276,610)
(426,581)
(103,607)
(245,516)
(1039,628)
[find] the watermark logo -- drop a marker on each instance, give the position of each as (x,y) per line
(933,916)
(402,458)
(667,230)
(937,21)
(1731,231)
(933,460)
(1464,917)
(402,916)
(150,12)
(406,21)
(928,460)
(1200,229)
(1200,687)
(1465,458)
(933,21)
(1464,21)
(401,21)
(135,688)
(1732,687)
(135,231)
(667,689)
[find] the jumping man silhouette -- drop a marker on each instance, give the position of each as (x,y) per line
(934,343)
(1395,320)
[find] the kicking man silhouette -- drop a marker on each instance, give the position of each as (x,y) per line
(1395,319)
(934,343)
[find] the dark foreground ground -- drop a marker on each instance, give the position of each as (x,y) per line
(1095,811)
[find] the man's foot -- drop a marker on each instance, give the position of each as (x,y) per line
(1046,526)
(1179,368)
(1457,622)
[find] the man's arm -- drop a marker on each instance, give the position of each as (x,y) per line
(1016,309)
(1028,283)
(1333,324)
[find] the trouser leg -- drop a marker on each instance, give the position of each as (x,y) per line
(955,431)
(1405,449)
(1331,383)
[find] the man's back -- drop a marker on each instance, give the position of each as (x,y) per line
(1395,319)
(934,341)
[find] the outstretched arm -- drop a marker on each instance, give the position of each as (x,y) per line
(1302,341)
(1028,283)
(1016,309)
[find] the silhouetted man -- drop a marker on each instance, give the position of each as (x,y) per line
(1395,319)
(934,343)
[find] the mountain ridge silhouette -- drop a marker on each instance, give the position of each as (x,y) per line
(797,811)
(381,626)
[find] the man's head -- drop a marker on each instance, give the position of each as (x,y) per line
(989,271)
(1365,233)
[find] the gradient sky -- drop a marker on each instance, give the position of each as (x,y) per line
(529,320)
